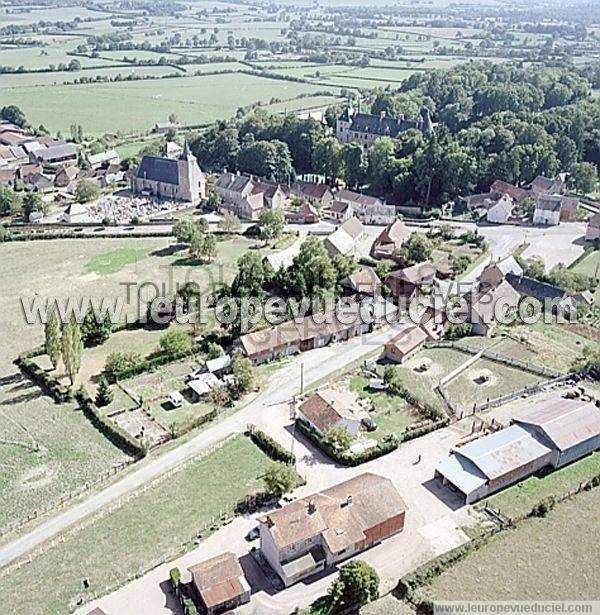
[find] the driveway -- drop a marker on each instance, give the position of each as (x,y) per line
(433,523)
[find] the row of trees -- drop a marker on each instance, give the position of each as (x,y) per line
(64,342)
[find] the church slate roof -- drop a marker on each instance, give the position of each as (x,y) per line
(157,169)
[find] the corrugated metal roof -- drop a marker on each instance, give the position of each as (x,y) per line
(462,473)
(503,451)
(566,422)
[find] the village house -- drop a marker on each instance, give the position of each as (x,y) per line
(314,331)
(340,211)
(489,307)
(172,150)
(219,585)
(550,433)
(317,194)
(405,344)
(65,176)
(362,283)
(37,182)
(368,209)
(314,533)
(502,188)
(329,408)
(550,209)
(306,214)
(593,228)
(390,240)
(544,185)
(103,159)
(13,156)
(164,127)
(355,127)
(496,272)
(500,212)
(12,137)
(7,177)
(177,180)
(552,298)
(247,196)
(55,155)
(408,282)
(345,239)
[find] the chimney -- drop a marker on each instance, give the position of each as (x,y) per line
(348,501)
(312,507)
(382,116)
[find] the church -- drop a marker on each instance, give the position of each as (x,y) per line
(172,179)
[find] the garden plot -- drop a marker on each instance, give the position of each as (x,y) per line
(140,425)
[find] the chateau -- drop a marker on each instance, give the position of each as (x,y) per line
(355,127)
(166,178)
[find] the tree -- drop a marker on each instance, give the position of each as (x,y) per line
(10,201)
(86,191)
(279,478)
(52,337)
(272,223)
(32,201)
(252,275)
(584,176)
(14,115)
(104,395)
(95,330)
(230,223)
(243,372)
(356,584)
(328,160)
(417,248)
(176,340)
(214,351)
(184,230)
(209,247)
(119,361)
(71,348)
(355,164)
(338,438)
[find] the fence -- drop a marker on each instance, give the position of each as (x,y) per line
(40,512)
(110,508)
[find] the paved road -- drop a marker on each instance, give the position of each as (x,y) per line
(282,386)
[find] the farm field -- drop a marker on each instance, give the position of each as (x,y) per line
(538,560)
(519,499)
(144,529)
(196,100)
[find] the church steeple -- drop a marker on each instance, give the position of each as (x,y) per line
(187,152)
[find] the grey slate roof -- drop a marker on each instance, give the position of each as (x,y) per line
(382,126)
(157,169)
(56,152)
(549,202)
(534,288)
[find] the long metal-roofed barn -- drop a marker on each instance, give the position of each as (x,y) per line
(551,433)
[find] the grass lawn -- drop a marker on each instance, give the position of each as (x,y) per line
(46,451)
(519,499)
(553,558)
(391,413)
(590,265)
(467,391)
(115,260)
(144,529)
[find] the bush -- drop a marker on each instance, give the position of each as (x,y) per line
(175,576)
(270,447)
(174,341)
(44,380)
(280,478)
(357,584)
(117,362)
(105,395)
(541,509)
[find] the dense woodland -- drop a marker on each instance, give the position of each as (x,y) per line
(494,122)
